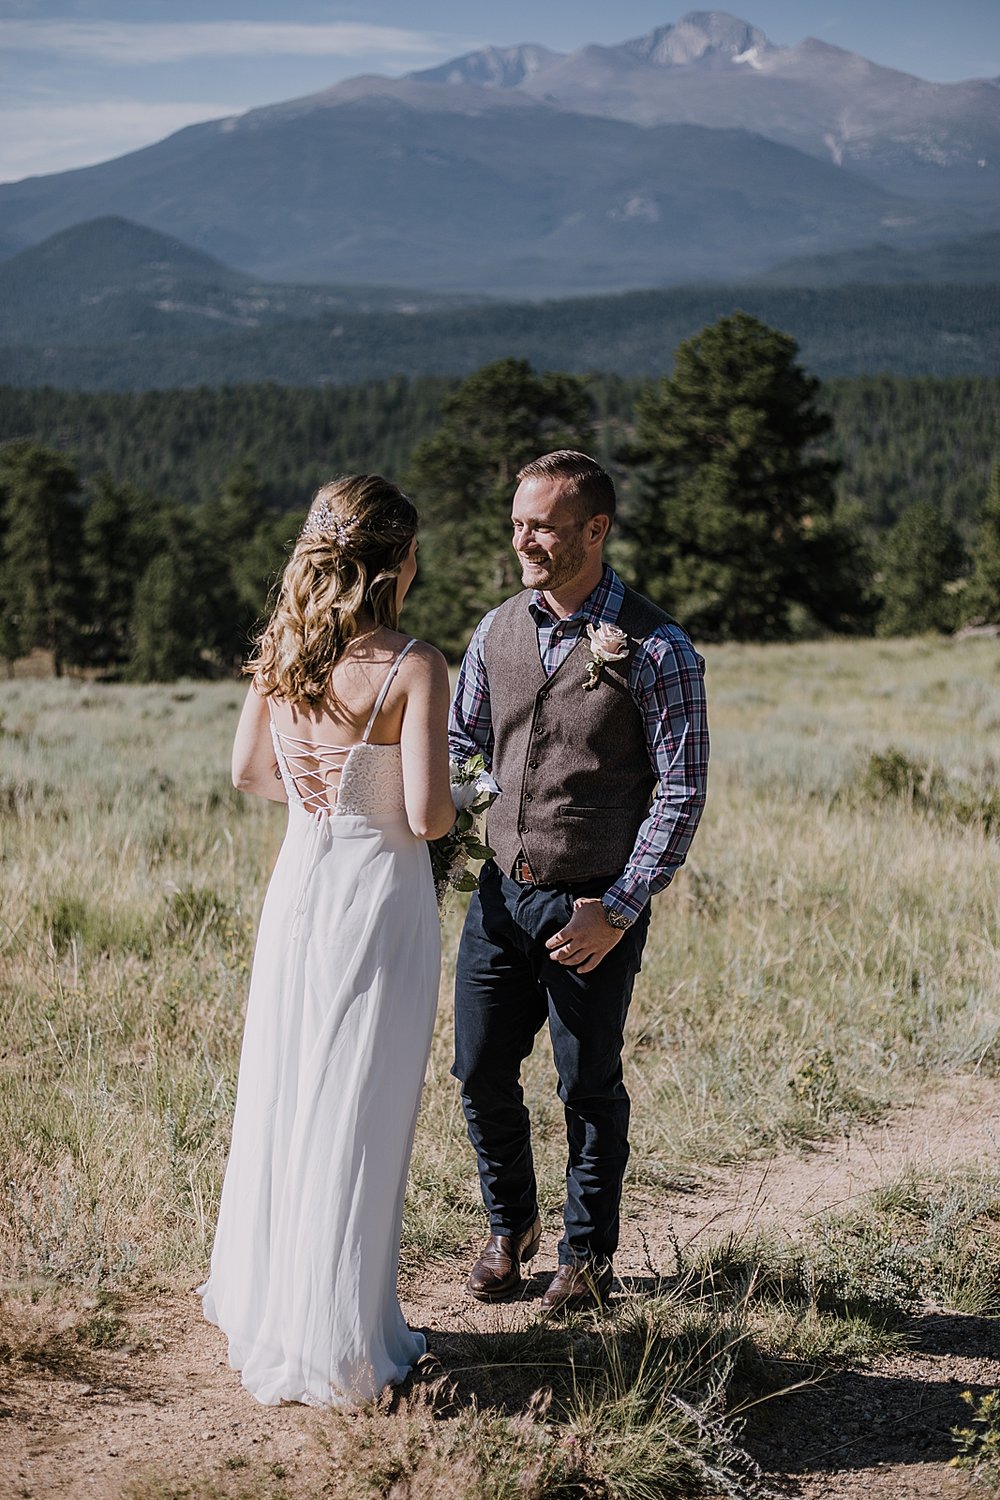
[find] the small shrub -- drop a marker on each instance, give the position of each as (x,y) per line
(195,911)
(840,1295)
(954,1227)
(860,1269)
(801,1333)
(972,806)
(104,1329)
(892,775)
(98,929)
(979,1444)
(68,918)
(60,1235)
(819,1088)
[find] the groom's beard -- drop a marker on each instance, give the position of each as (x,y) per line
(539,571)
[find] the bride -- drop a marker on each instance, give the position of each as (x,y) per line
(345,721)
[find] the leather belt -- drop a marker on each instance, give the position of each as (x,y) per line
(522,874)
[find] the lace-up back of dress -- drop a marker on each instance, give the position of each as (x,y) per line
(362,779)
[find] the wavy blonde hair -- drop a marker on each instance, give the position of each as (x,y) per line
(346,561)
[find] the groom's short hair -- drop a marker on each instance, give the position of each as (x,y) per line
(585,481)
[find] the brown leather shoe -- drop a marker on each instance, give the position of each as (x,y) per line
(497,1272)
(576,1287)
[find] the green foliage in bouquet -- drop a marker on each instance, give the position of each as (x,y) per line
(451,854)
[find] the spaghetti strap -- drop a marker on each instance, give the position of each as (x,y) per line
(384,689)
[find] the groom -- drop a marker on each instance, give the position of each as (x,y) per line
(588,704)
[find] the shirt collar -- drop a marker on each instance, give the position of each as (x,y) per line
(600,607)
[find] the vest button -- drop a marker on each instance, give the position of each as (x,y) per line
(528,797)
(532,765)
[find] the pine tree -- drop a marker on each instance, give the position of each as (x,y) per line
(734,527)
(462,481)
(920,557)
(257,569)
(169,628)
(122,531)
(234,598)
(42,583)
(981,597)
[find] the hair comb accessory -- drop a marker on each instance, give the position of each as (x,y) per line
(323,520)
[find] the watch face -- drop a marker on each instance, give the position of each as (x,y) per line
(617,919)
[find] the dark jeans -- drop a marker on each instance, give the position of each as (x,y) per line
(506,988)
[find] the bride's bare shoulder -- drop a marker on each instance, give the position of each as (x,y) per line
(422,657)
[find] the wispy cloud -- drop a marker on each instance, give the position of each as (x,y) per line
(40,138)
(132,42)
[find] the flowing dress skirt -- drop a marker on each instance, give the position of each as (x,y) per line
(338,1029)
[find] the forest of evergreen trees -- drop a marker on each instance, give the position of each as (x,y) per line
(898,439)
(140,533)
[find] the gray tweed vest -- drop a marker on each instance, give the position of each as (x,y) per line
(573,769)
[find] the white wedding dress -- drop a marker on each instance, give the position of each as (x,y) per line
(338,1028)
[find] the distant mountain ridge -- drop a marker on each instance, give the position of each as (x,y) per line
(491,67)
(698,152)
(703,37)
(473,190)
(969,261)
(712,68)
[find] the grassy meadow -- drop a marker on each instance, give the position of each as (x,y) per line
(830,949)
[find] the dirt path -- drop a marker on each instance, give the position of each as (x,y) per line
(83,1422)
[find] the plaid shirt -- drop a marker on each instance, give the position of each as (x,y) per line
(666,679)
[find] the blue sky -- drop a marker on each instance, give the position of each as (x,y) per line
(85,80)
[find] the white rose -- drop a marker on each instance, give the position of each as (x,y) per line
(464,793)
(607,642)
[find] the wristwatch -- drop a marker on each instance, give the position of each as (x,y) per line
(616,919)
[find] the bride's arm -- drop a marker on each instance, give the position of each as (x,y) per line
(423,738)
(255,768)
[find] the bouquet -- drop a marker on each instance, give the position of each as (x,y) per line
(472,791)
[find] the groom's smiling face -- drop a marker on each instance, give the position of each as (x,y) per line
(548,534)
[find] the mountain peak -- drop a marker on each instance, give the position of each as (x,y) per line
(491,67)
(704,37)
(116,247)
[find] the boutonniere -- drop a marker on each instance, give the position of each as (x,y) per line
(607,643)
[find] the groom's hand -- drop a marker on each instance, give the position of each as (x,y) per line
(586,938)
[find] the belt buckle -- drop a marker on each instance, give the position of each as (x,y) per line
(522,871)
